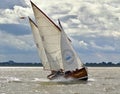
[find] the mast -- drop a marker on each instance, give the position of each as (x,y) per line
(39,45)
(50,34)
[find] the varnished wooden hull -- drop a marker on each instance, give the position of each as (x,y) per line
(80,74)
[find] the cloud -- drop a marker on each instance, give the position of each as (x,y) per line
(15,29)
(83,44)
(94,25)
(20,57)
(13,15)
(99,57)
(24,42)
(104,47)
(20,48)
(9,4)
(102,20)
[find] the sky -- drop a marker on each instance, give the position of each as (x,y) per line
(92,25)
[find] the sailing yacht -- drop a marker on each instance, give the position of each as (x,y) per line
(55,49)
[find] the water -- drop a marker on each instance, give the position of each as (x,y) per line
(33,81)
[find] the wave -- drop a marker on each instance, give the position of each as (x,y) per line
(9,79)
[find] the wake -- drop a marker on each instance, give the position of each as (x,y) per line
(9,79)
(45,81)
(61,80)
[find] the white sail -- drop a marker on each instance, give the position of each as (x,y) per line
(39,45)
(50,34)
(70,59)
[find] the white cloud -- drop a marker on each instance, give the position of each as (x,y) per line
(13,15)
(91,20)
(90,16)
(24,42)
(83,44)
(104,47)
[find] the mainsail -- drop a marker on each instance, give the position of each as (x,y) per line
(50,35)
(39,45)
(70,59)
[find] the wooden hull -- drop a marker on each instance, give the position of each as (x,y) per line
(78,74)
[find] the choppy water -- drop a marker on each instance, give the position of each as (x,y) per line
(33,81)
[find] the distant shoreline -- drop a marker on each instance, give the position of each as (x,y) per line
(42,66)
(14,64)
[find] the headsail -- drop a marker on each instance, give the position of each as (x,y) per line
(50,34)
(39,45)
(70,59)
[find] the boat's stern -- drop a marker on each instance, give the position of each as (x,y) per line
(80,74)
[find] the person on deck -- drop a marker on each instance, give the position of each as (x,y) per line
(55,73)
